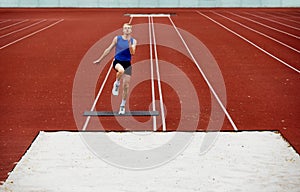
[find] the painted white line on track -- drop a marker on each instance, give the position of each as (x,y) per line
(97,98)
(273,39)
(31,34)
(158,80)
(286,25)
(149,15)
(267,26)
(130,20)
(5,21)
(152,75)
(18,30)
(205,78)
(98,95)
(250,42)
(14,24)
(284,18)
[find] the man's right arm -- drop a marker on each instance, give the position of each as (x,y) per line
(107,51)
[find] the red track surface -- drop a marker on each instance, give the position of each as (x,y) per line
(37,73)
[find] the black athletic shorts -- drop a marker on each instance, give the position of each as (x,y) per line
(125,64)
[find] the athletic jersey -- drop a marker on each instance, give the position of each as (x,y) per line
(122,49)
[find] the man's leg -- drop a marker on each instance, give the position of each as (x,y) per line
(126,81)
(120,72)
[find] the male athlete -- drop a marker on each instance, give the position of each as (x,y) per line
(125,47)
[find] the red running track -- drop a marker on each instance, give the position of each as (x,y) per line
(38,71)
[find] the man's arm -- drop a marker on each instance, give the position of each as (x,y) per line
(132,47)
(107,51)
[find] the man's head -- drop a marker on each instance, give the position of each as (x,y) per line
(127,29)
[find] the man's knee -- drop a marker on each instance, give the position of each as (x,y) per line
(126,85)
(126,81)
(120,69)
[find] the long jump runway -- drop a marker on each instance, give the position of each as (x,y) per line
(211,77)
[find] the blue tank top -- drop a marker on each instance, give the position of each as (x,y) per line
(122,49)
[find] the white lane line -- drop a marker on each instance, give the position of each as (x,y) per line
(152,76)
(97,98)
(250,42)
(130,20)
(283,18)
(205,78)
(23,28)
(31,34)
(267,26)
(158,80)
(286,25)
(149,15)
(273,39)
(14,24)
(5,21)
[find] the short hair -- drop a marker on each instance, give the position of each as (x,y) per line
(127,24)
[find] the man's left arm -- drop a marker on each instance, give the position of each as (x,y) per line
(132,47)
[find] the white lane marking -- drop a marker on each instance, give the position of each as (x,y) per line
(5,21)
(286,25)
(31,34)
(149,15)
(205,78)
(278,30)
(283,18)
(158,80)
(250,42)
(14,24)
(152,76)
(273,39)
(97,98)
(18,30)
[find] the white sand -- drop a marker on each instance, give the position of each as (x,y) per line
(243,161)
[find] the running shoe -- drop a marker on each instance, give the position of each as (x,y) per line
(122,110)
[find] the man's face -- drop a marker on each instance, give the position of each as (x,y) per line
(127,29)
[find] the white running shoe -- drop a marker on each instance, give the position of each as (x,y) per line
(115,89)
(122,110)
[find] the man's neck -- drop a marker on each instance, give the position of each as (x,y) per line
(125,36)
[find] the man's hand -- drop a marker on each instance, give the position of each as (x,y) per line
(131,47)
(97,61)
